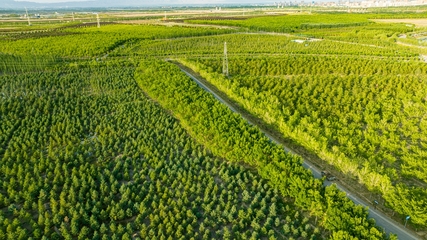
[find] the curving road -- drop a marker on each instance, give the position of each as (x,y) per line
(389,225)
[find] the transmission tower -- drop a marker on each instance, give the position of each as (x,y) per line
(225,61)
(97,19)
(28,17)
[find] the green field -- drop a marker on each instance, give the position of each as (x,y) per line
(102,137)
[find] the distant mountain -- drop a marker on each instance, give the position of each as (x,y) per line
(82,4)
(11,4)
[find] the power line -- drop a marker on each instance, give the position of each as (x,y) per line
(97,19)
(28,17)
(225,61)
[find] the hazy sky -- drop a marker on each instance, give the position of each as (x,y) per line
(147,1)
(50,1)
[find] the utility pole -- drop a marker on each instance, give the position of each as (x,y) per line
(225,61)
(73,17)
(28,17)
(97,19)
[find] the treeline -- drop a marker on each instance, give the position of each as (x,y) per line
(305,26)
(261,44)
(84,155)
(297,23)
(368,125)
(357,28)
(379,34)
(229,136)
(313,65)
(90,42)
(292,23)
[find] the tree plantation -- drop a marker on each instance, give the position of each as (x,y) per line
(92,157)
(219,129)
(365,117)
(103,136)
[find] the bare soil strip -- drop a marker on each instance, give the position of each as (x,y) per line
(416,22)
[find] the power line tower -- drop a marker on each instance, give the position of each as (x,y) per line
(28,17)
(97,19)
(225,61)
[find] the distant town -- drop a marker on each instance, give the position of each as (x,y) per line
(354,4)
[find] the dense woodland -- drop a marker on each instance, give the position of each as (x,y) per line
(101,138)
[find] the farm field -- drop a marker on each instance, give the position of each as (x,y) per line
(103,137)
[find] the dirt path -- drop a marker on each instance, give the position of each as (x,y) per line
(410,45)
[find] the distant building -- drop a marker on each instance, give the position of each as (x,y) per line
(372,3)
